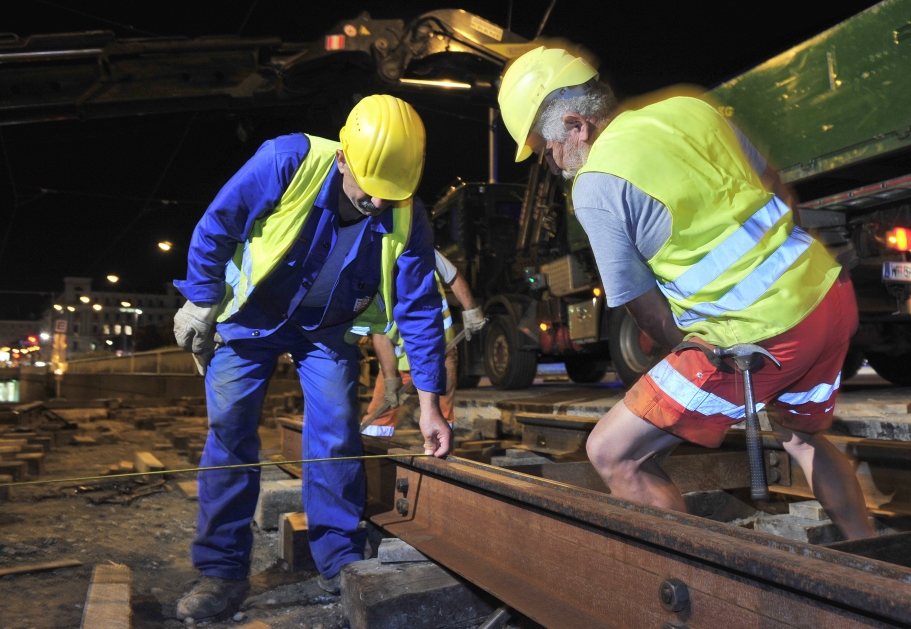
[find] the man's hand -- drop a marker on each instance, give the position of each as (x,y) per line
(653,315)
(392,391)
(202,360)
(437,433)
(474,321)
(194,328)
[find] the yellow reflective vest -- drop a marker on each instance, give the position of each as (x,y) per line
(735,268)
(403,364)
(273,235)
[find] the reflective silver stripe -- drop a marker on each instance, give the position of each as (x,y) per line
(819,393)
(731,249)
(691,397)
(754,285)
(379,431)
(447,323)
(360,330)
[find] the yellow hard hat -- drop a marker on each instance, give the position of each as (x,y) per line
(528,82)
(383,143)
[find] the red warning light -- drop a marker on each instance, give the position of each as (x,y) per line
(898,239)
(33,339)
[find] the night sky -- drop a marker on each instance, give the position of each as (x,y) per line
(93,218)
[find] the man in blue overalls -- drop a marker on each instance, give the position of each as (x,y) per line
(309,241)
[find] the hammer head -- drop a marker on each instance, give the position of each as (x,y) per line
(744,350)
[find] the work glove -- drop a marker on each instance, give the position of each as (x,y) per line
(473,321)
(391,394)
(202,360)
(194,328)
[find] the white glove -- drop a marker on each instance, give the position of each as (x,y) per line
(202,360)
(194,328)
(391,394)
(473,321)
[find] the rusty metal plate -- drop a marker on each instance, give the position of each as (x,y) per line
(568,557)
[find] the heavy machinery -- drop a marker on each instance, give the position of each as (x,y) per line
(832,114)
(97,75)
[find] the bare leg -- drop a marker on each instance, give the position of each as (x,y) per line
(831,478)
(622,448)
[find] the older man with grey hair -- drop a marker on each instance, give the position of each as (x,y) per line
(689,234)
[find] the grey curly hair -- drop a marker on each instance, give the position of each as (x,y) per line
(596,106)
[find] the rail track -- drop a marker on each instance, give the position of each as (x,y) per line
(569,557)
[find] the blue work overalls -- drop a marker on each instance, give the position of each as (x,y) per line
(270,324)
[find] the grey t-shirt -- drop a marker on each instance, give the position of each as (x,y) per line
(626,227)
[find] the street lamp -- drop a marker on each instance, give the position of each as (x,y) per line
(113,279)
(164,245)
(85,299)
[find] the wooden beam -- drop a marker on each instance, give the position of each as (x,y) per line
(40,567)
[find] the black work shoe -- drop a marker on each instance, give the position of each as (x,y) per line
(333,586)
(210,596)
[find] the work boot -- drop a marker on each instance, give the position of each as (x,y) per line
(210,596)
(333,586)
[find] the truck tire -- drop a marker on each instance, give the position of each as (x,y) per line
(631,350)
(892,368)
(854,360)
(505,364)
(583,370)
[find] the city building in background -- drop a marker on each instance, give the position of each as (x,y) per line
(111,320)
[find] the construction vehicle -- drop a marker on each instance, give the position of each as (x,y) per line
(831,113)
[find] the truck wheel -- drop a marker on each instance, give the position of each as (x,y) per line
(892,368)
(507,366)
(632,351)
(854,360)
(583,370)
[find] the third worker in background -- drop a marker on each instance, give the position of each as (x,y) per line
(690,233)
(394,381)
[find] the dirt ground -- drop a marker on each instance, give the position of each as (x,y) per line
(145,525)
(150,534)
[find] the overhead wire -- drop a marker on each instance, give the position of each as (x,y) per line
(144,209)
(16,204)
(546,17)
(114,197)
(100,19)
(247,17)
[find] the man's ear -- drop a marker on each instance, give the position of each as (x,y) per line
(574,122)
(340,158)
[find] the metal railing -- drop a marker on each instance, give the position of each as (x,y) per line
(171,361)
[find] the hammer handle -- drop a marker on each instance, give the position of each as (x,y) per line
(759,488)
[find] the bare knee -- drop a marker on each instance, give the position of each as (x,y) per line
(610,462)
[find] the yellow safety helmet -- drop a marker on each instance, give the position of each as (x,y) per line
(527,83)
(383,143)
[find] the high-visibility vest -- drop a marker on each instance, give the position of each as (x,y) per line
(735,268)
(403,364)
(273,235)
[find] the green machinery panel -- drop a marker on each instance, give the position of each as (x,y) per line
(841,97)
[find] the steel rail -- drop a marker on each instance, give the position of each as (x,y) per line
(570,557)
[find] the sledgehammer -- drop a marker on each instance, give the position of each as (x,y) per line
(748,358)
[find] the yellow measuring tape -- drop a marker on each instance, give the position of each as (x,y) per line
(207,469)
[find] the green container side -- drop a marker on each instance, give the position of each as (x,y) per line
(839,98)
